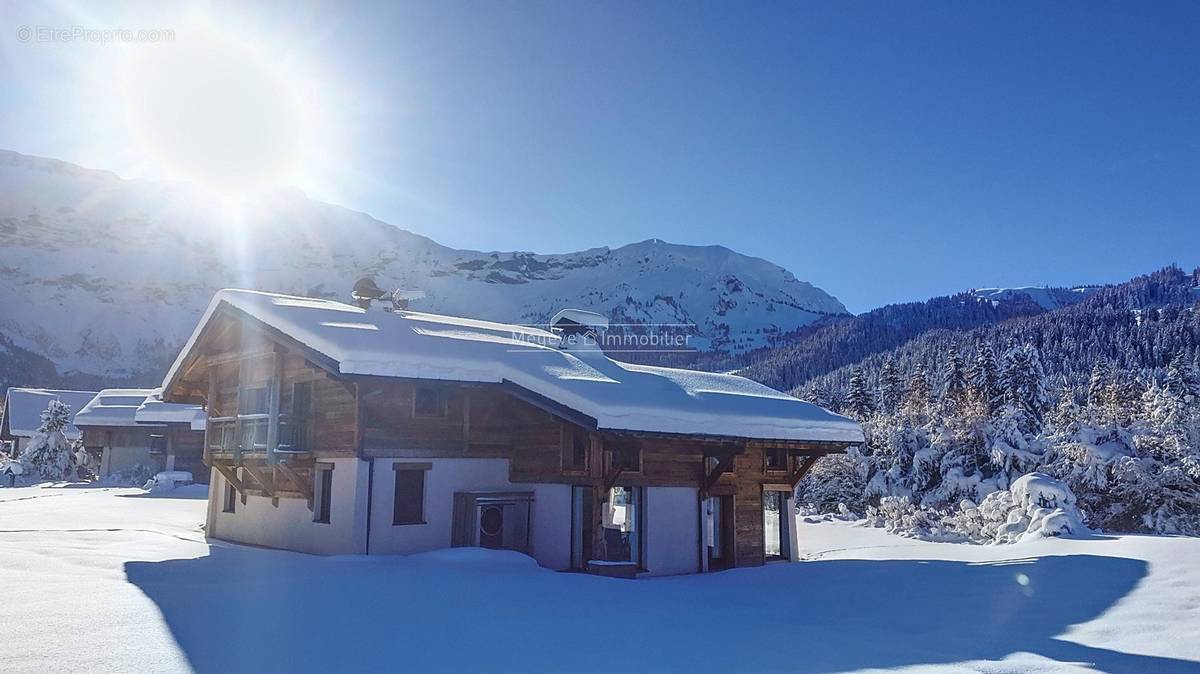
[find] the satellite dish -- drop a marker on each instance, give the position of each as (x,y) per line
(401,298)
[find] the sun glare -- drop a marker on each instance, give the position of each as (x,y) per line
(216,112)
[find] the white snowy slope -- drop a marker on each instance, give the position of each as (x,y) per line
(96,580)
(1044,296)
(104,275)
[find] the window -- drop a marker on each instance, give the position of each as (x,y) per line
(409,504)
(776,459)
(428,402)
(776,509)
(626,455)
(230,498)
(323,497)
(253,400)
(622,522)
(294,428)
(158,444)
(575,449)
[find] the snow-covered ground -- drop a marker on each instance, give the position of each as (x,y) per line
(113,580)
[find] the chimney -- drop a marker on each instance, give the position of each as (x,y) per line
(366,290)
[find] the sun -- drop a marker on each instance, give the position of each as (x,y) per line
(217,112)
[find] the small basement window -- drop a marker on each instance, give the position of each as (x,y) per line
(409,500)
(429,402)
(776,459)
(323,496)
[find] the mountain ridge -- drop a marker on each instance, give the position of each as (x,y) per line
(104,276)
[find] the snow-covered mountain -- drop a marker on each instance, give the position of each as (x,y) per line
(1044,296)
(107,276)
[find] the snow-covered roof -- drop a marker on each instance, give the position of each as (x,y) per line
(113,407)
(154,411)
(23,408)
(619,396)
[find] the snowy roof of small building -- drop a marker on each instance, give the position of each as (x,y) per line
(154,411)
(619,396)
(23,408)
(113,407)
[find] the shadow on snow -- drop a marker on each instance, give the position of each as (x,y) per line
(240,609)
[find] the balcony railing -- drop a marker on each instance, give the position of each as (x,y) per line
(244,433)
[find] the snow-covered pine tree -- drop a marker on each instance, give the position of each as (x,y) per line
(859,403)
(891,387)
(1037,392)
(1182,380)
(1099,387)
(49,454)
(817,394)
(985,378)
(1023,384)
(1014,368)
(918,398)
(952,381)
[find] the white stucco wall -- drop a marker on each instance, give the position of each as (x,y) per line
(672,530)
(290,525)
(672,515)
(551,532)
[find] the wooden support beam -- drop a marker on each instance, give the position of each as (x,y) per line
(806,465)
(305,487)
(275,391)
(724,465)
(208,412)
(466,430)
(266,483)
(610,481)
(230,475)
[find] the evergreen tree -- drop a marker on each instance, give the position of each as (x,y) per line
(49,454)
(817,394)
(859,403)
(952,384)
(917,398)
(1014,371)
(1182,380)
(891,387)
(985,378)
(1099,391)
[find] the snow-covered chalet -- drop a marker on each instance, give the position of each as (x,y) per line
(335,429)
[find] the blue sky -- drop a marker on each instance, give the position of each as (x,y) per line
(884,151)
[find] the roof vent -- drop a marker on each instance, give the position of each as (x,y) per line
(366,290)
(578,327)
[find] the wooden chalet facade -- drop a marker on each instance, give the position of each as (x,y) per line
(307,456)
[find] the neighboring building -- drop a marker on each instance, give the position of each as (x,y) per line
(182,427)
(333,429)
(23,409)
(125,428)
